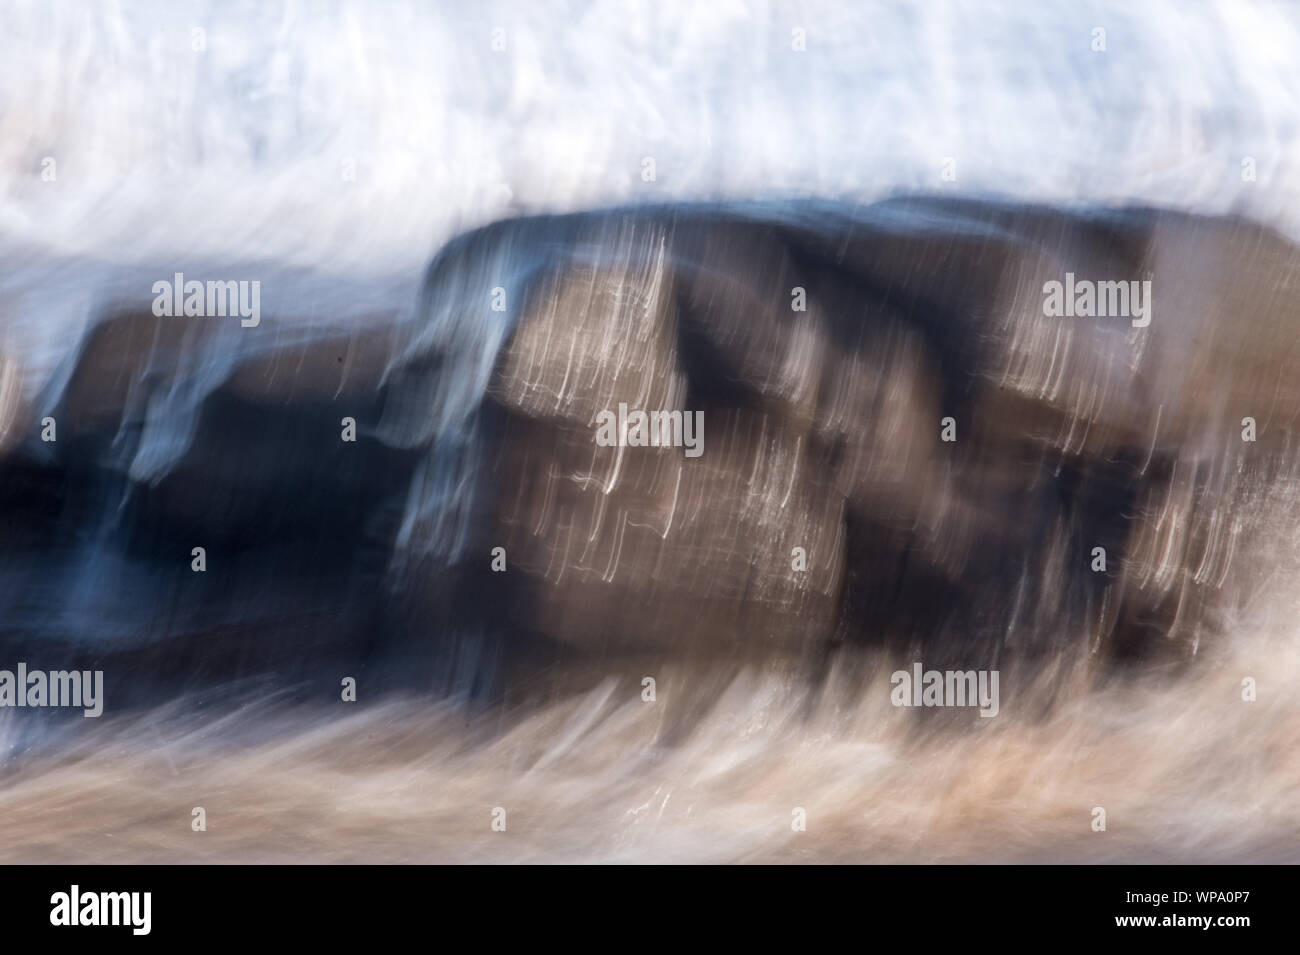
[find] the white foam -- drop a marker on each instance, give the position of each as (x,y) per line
(164,154)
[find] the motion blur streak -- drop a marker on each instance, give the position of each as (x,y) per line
(557,285)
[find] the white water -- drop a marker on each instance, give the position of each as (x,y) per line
(238,151)
(231,160)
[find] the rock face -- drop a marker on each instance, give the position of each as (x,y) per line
(831,352)
(10,402)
